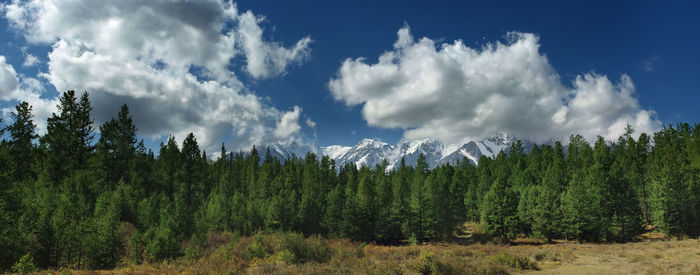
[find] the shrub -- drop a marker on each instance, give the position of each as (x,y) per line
(319,251)
(427,263)
(412,240)
(25,264)
(257,248)
(516,261)
(293,248)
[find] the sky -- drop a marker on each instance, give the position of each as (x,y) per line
(335,72)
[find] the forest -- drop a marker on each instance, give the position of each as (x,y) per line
(87,196)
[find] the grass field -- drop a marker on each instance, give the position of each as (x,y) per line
(281,253)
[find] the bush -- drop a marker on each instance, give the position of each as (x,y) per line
(163,244)
(292,248)
(319,251)
(412,240)
(257,248)
(427,263)
(516,261)
(25,264)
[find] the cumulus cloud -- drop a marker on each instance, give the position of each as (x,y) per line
(30,60)
(288,125)
(9,84)
(145,54)
(267,59)
(310,123)
(16,88)
(453,92)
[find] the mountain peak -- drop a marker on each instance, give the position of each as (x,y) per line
(373,151)
(368,142)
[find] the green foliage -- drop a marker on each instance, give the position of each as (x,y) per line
(582,209)
(72,202)
(516,261)
(546,215)
(500,213)
(256,248)
(292,248)
(675,185)
(24,265)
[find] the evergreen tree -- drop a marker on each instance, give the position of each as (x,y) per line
(672,188)
(117,145)
(366,204)
(69,136)
(624,201)
(499,210)
(418,203)
(22,133)
(310,209)
(168,165)
(547,213)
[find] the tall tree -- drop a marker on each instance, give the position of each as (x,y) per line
(69,136)
(672,192)
(624,201)
(117,145)
(499,210)
(547,212)
(22,133)
(418,203)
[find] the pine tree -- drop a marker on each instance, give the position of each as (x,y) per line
(384,200)
(672,192)
(367,204)
(69,137)
(168,165)
(21,147)
(624,201)
(310,211)
(582,201)
(418,203)
(117,145)
(598,176)
(547,212)
(499,210)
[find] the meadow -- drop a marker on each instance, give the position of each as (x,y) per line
(468,253)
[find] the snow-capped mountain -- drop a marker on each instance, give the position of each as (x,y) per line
(286,151)
(367,152)
(371,152)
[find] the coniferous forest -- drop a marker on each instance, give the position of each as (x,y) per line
(87,196)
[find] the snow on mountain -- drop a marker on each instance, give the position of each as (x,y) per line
(335,151)
(286,151)
(371,152)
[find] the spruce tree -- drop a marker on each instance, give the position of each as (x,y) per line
(624,201)
(499,210)
(22,134)
(117,145)
(547,212)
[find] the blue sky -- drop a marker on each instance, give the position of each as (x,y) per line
(641,54)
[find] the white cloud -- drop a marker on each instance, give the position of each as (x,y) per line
(453,92)
(30,60)
(288,125)
(32,84)
(9,84)
(143,53)
(267,59)
(28,89)
(310,123)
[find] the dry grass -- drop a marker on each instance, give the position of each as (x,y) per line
(292,254)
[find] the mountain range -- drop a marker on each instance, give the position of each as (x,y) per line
(371,152)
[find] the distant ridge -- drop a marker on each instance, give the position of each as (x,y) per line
(371,152)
